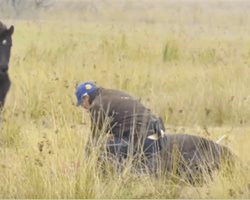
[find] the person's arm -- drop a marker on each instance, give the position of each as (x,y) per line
(96,122)
(99,117)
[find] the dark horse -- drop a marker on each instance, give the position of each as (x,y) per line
(188,157)
(5,51)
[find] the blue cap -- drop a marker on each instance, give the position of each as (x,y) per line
(84,89)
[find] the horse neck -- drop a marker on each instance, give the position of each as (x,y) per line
(4,78)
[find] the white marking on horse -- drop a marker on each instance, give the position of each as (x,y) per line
(218,141)
(162,133)
(4,42)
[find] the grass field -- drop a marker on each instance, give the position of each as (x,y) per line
(194,72)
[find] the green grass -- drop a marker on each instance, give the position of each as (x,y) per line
(198,82)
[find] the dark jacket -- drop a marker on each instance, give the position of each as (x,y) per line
(120,114)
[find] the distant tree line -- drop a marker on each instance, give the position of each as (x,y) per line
(19,6)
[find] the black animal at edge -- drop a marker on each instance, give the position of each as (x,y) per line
(5,52)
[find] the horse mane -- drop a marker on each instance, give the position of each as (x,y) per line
(2,27)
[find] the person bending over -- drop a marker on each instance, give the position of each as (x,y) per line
(122,115)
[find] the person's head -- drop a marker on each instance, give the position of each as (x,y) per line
(82,93)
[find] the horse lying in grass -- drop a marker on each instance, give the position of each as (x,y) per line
(186,157)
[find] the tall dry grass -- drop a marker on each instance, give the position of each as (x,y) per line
(192,71)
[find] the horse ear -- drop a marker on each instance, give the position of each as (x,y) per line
(11,30)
